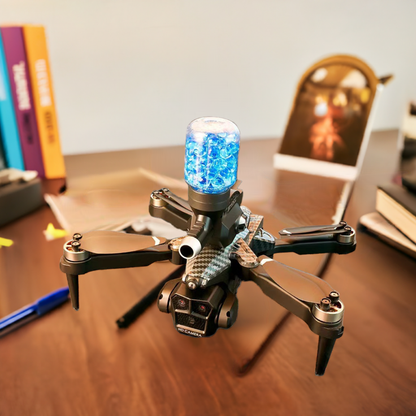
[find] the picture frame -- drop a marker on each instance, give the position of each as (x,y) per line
(331,118)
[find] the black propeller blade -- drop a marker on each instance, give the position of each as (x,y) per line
(307,288)
(113,242)
(106,242)
(304,286)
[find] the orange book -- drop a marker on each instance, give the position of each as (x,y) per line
(40,76)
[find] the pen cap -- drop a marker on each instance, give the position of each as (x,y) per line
(211,154)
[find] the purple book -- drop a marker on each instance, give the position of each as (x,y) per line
(17,68)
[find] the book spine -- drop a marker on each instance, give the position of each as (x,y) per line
(8,125)
(21,90)
(40,76)
(2,159)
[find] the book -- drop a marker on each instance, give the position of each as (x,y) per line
(2,160)
(8,125)
(21,90)
(378,226)
(398,206)
(40,77)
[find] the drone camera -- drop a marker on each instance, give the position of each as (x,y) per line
(198,313)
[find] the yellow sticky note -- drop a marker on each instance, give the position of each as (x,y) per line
(53,233)
(5,242)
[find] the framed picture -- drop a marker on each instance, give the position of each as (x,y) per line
(330,122)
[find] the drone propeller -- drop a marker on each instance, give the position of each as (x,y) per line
(307,288)
(113,242)
(103,242)
(302,285)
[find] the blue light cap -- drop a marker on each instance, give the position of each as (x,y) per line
(211,154)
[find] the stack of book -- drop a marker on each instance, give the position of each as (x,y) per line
(28,121)
(395,219)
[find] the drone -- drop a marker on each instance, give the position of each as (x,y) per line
(225,245)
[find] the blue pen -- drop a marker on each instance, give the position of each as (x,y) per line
(35,310)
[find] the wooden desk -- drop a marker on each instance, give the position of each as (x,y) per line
(64,364)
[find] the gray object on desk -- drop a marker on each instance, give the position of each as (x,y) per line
(18,199)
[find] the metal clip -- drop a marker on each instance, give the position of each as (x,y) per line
(342,232)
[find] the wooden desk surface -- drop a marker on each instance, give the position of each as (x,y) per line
(64,365)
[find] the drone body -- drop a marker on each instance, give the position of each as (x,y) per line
(224,246)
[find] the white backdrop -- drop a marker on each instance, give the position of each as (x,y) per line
(133,73)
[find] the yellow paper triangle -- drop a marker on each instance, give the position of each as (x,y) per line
(55,233)
(5,242)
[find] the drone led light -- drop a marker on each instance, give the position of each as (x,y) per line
(211,155)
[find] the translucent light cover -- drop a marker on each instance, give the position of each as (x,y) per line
(211,156)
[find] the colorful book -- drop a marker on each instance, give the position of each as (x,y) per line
(21,90)
(40,76)
(8,125)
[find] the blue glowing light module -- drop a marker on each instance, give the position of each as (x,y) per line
(211,155)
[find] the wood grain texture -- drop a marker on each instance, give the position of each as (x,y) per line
(69,363)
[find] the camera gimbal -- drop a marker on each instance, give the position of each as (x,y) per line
(225,245)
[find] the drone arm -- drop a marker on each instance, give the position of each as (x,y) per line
(306,296)
(337,238)
(138,258)
(93,262)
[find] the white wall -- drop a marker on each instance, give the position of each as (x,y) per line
(134,73)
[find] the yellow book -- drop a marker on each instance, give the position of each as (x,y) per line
(40,76)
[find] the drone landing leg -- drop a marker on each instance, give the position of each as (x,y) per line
(325,347)
(73,285)
(132,314)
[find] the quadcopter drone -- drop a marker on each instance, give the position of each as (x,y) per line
(225,245)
